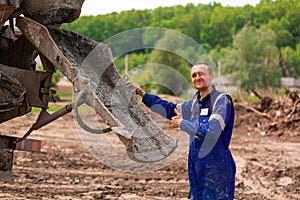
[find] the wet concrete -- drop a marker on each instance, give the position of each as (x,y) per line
(99,81)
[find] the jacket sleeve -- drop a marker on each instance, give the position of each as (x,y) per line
(187,124)
(218,120)
(212,128)
(162,107)
(219,117)
(191,127)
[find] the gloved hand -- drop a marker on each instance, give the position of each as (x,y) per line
(137,88)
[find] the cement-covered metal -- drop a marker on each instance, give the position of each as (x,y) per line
(89,65)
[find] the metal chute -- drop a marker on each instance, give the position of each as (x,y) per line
(89,66)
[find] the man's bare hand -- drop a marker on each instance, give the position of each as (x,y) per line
(137,88)
(176,119)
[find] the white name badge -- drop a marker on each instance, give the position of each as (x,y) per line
(204,112)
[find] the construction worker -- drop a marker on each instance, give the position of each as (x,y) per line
(208,118)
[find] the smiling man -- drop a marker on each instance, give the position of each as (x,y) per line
(208,118)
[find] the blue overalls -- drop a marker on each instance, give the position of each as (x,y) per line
(209,122)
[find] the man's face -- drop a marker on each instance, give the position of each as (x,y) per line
(201,77)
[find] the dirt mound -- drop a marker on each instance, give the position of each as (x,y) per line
(280,118)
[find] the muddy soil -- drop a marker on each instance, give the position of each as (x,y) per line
(268,167)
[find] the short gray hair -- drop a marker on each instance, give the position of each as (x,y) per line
(205,63)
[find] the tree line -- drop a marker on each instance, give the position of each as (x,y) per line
(258,44)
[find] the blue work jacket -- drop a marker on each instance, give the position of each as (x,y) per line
(209,122)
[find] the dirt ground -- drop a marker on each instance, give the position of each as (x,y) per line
(268,166)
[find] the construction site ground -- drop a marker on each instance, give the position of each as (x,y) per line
(268,166)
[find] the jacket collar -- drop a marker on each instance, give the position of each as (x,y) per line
(196,98)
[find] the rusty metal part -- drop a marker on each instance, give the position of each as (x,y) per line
(6,162)
(9,9)
(7,146)
(45,118)
(19,54)
(36,83)
(52,11)
(12,100)
(43,11)
(29,145)
(12,92)
(38,35)
(6,157)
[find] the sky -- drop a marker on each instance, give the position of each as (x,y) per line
(96,7)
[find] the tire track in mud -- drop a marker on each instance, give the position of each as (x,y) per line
(66,170)
(267,169)
(263,170)
(60,183)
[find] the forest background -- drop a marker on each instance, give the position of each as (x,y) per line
(257,45)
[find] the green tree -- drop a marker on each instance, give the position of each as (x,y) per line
(253,58)
(283,39)
(172,70)
(212,25)
(291,58)
(134,60)
(222,23)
